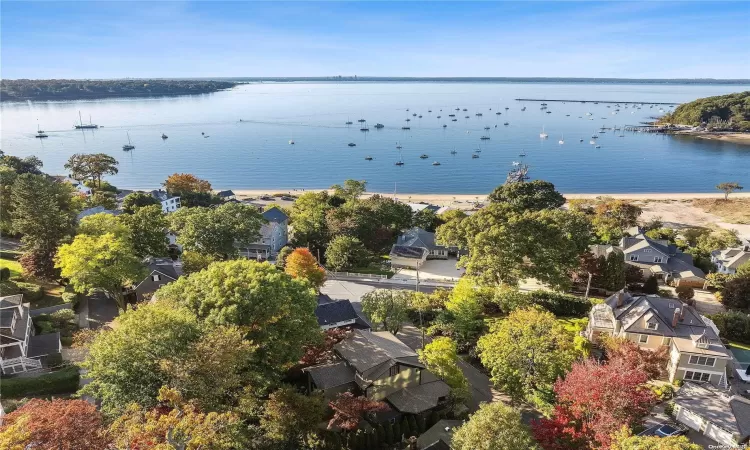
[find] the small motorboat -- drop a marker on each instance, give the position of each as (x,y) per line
(598,146)
(478,114)
(474,156)
(419,117)
(454,120)
(465,109)
(291,141)
(368,158)
(352,144)
(361,120)
(506,108)
(451,115)
(348,122)
(486,128)
(202,133)
(444,125)
(423,156)
(580,140)
(379,125)
(408,120)
(485,138)
(506,124)
(436,163)
(438,117)
(406,128)
(399,163)
(414,115)
(499,113)
(466,117)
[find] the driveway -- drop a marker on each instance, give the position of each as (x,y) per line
(658,416)
(101,310)
(434,269)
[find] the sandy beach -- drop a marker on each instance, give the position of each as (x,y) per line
(736,138)
(448,199)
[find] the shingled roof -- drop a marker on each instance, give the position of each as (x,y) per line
(373,353)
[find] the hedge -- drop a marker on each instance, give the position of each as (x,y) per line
(733,325)
(63,381)
(559,304)
(30,291)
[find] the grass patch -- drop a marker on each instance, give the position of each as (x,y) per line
(732,210)
(52,295)
(8,260)
(372,271)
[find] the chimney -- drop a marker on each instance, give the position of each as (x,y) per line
(620,299)
(676,317)
(682,312)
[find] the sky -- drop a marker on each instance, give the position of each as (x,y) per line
(118,39)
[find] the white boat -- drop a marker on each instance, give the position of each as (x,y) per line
(82,125)
(129,145)
(543,135)
(291,141)
(436,163)
(562,140)
(40,133)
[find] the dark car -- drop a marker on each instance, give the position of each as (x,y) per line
(668,430)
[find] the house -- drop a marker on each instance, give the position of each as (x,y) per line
(161,271)
(439,436)
(226,195)
(381,367)
(418,207)
(722,417)
(20,349)
(728,260)
(664,260)
(169,203)
(695,351)
(274,234)
(77,185)
(415,239)
(338,314)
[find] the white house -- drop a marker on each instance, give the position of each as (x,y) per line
(78,185)
(20,349)
(169,203)
(274,235)
(730,259)
(414,247)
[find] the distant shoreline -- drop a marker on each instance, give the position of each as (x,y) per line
(724,136)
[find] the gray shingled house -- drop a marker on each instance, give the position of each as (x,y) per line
(722,417)
(414,247)
(662,259)
(381,367)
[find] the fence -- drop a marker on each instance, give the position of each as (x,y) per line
(335,274)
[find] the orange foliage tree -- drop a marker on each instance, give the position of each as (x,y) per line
(180,183)
(58,425)
(302,264)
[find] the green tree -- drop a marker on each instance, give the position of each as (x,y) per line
(290,417)
(103,199)
(506,246)
(609,217)
(124,362)
(527,352)
(29,164)
(651,285)
(441,357)
(345,252)
(375,221)
(494,427)
(7,179)
(534,195)
(100,263)
(102,223)
(451,231)
(614,271)
(136,200)
(42,213)
(148,231)
(215,231)
(279,311)
(728,188)
(736,292)
(281,257)
(388,307)
(91,166)
(684,292)
(624,440)
(426,219)
(465,303)
(351,190)
(308,218)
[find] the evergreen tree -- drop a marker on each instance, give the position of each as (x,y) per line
(381,434)
(372,440)
(651,286)
(420,426)
(406,429)
(434,418)
(389,438)
(397,432)
(615,271)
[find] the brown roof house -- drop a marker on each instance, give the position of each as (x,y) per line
(695,350)
(381,367)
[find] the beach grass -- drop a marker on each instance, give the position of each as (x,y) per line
(732,210)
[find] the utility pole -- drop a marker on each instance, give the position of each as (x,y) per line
(421,325)
(588,286)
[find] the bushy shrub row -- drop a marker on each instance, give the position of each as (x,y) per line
(733,325)
(62,381)
(559,304)
(31,292)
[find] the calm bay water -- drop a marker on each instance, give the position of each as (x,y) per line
(256,154)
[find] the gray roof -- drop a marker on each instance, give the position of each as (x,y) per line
(373,353)
(409,252)
(661,310)
(43,344)
(417,399)
(442,431)
(161,195)
(227,193)
(679,264)
(95,210)
(731,413)
(275,215)
(417,237)
(335,311)
(326,376)
(732,258)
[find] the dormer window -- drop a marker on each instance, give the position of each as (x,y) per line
(658,259)
(702,341)
(646,250)
(634,257)
(156,277)
(652,325)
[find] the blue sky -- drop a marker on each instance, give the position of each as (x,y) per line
(89,39)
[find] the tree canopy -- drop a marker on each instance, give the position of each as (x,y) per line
(278,311)
(303,265)
(441,357)
(387,307)
(350,190)
(733,109)
(494,427)
(529,196)
(136,200)
(83,166)
(345,252)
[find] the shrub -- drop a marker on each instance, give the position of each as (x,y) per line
(4,274)
(651,286)
(9,288)
(733,325)
(63,381)
(666,293)
(561,304)
(31,292)
(72,299)
(663,392)
(669,408)
(685,292)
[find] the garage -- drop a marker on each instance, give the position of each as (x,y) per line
(719,435)
(690,419)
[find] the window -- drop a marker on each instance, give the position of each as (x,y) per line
(658,259)
(394,371)
(155,277)
(646,250)
(697,376)
(666,341)
(643,339)
(652,325)
(702,360)
(634,257)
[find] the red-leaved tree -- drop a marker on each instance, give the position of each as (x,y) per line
(348,410)
(653,362)
(60,425)
(594,401)
(323,352)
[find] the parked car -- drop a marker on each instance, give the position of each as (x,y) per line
(670,429)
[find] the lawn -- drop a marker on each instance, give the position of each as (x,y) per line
(8,259)
(52,291)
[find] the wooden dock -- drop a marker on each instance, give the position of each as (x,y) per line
(591,101)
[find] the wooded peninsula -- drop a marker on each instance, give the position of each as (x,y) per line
(720,113)
(23,89)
